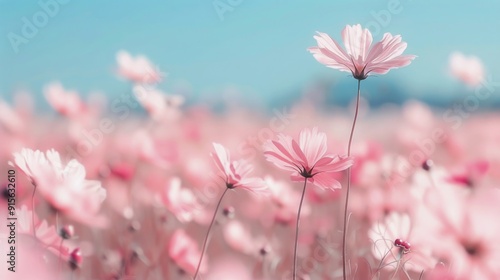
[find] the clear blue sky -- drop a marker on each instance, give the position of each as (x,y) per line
(259,46)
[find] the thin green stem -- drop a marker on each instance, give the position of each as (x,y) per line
(344,234)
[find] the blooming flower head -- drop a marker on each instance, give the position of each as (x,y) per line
(63,186)
(307,158)
(397,242)
(359,57)
(236,174)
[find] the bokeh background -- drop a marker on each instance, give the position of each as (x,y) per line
(253,49)
(237,72)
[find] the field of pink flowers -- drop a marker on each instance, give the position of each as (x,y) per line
(98,191)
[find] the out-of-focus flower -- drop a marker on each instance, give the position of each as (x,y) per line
(157,104)
(360,58)
(465,235)
(236,174)
(180,201)
(75,258)
(286,201)
(63,186)
(238,237)
(469,70)
(137,69)
(470,173)
(9,118)
(65,102)
(395,244)
(230,267)
(184,251)
(307,159)
(45,234)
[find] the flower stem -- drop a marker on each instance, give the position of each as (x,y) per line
(33,211)
(58,230)
(344,233)
(208,233)
(297,231)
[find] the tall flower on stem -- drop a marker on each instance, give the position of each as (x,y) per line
(307,160)
(236,175)
(361,59)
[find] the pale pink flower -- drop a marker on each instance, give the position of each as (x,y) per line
(286,199)
(229,267)
(236,174)
(360,58)
(137,69)
(184,251)
(10,119)
(238,237)
(307,159)
(158,104)
(466,234)
(469,70)
(180,201)
(395,244)
(65,102)
(470,173)
(151,150)
(63,186)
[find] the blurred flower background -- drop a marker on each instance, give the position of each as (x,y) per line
(109,111)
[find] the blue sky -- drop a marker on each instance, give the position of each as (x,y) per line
(257,46)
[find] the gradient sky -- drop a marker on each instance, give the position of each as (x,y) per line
(258,47)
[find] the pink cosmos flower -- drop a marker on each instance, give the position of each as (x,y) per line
(307,159)
(469,70)
(286,199)
(238,237)
(157,104)
(236,174)
(465,235)
(180,201)
(63,186)
(398,244)
(138,69)
(360,58)
(10,119)
(65,102)
(183,250)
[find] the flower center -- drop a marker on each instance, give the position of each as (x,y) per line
(306,174)
(403,245)
(472,249)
